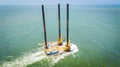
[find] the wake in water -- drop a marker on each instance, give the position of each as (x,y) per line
(24,61)
(36,57)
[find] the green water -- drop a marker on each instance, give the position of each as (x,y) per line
(95,30)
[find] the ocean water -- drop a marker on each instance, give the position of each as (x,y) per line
(94,29)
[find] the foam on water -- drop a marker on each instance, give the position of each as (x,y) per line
(25,60)
(38,56)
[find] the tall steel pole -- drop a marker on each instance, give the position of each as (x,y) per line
(44,26)
(67,24)
(59,25)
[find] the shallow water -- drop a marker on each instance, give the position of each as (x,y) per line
(95,30)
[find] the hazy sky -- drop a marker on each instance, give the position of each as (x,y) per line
(52,2)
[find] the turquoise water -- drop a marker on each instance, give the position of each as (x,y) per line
(95,30)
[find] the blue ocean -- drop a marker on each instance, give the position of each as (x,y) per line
(94,29)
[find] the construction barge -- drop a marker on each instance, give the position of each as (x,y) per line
(59,47)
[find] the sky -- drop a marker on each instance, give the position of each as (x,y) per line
(53,2)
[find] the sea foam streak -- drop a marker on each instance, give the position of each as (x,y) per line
(38,56)
(23,62)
